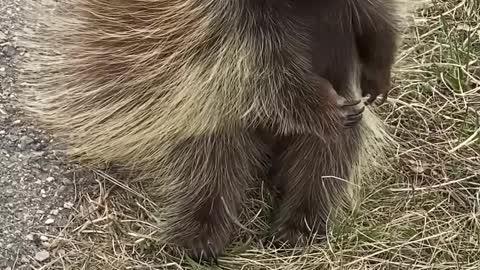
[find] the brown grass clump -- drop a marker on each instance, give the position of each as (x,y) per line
(422,212)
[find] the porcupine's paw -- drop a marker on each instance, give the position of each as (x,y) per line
(290,235)
(297,229)
(351,112)
(375,83)
(206,246)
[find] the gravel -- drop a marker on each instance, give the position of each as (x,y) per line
(36,191)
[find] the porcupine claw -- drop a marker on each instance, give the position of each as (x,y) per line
(351,111)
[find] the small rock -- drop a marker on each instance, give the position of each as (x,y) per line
(42,256)
(43,238)
(50,179)
(9,50)
(66,181)
(25,259)
(12,138)
(40,212)
(54,212)
(24,142)
(49,221)
(37,154)
(38,146)
(60,190)
(29,237)
(68,205)
(61,252)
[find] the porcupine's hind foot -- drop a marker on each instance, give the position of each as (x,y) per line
(312,180)
(212,234)
(291,234)
(208,177)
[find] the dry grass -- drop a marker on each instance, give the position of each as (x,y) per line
(421,213)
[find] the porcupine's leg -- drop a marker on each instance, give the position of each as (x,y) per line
(311,179)
(210,176)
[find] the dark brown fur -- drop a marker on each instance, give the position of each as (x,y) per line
(343,33)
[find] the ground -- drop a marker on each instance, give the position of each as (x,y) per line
(421,212)
(36,191)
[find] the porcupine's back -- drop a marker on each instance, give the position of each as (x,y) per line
(122,80)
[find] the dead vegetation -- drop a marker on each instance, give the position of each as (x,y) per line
(422,212)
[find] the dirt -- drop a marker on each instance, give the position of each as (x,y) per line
(36,186)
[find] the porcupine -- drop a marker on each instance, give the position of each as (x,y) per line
(200,95)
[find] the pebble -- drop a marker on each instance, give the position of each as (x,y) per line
(9,50)
(42,256)
(38,146)
(50,179)
(61,252)
(24,141)
(43,238)
(67,181)
(54,212)
(25,259)
(49,221)
(60,190)
(68,205)
(12,138)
